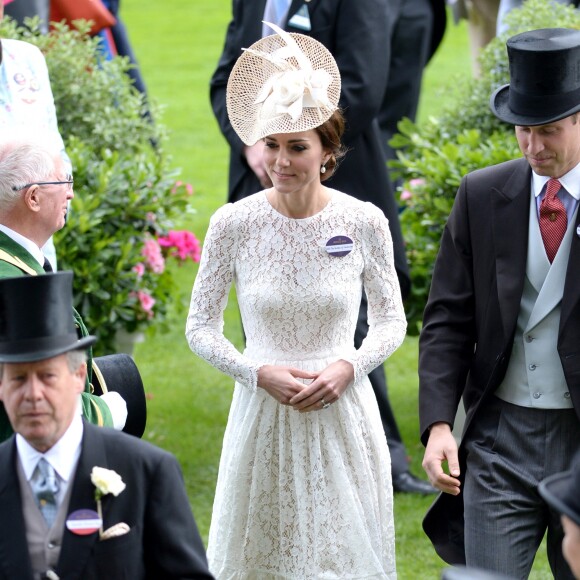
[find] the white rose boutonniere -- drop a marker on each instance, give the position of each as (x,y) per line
(107,481)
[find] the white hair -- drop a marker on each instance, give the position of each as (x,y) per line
(23,159)
(75,358)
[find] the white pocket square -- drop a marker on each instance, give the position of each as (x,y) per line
(119,529)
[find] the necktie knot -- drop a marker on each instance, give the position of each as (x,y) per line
(552,189)
(45,486)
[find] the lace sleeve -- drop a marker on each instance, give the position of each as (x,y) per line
(205,321)
(386,316)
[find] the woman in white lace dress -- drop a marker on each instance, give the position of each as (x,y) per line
(304,486)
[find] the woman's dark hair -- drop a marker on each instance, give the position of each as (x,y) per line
(330,133)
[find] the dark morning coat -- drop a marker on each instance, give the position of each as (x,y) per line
(356,33)
(471,314)
(163,542)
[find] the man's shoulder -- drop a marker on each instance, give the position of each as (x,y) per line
(125,444)
(499,172)
(9,270)
(15,260)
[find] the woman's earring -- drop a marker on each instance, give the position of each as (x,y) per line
(323,169)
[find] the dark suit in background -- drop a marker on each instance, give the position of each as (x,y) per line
(417,29)
(357,35)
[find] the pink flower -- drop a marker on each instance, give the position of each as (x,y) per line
(147,302)
(139,269)
(178,184)
(151,217)
(181,244)
(414,185)
(153,257)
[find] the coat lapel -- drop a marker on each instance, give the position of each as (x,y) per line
(552,289)
(252,22)
(510,207)
(14,557)
(571,295)
(17,250)
(76,550)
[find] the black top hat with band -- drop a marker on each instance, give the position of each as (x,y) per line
(544,78)
(562,491)
(35,318)
(119,373)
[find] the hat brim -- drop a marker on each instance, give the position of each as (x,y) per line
(499,104)
(43,349)
(553,488)
(119,373)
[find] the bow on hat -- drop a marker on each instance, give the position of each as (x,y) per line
(293,88)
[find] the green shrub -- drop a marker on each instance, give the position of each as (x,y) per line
(125,190)
(433,158)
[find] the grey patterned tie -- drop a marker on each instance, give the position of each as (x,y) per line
(45,486)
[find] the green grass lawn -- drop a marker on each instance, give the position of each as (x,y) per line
(178,44)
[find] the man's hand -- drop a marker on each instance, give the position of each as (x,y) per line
(281,382)
(441,448)
(326,389)
(255,159)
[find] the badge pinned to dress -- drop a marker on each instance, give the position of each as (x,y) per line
(301,19)
(339,246)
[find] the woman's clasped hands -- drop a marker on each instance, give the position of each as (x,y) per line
(286,385)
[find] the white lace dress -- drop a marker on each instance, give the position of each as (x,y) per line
(300,495)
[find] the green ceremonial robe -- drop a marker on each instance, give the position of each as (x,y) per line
(95,409)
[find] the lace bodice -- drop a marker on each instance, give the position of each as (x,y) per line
(297,301)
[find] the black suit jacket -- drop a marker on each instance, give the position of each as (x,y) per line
(356,33)
(470,318)
(163,542)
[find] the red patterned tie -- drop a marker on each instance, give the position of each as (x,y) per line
(553,219)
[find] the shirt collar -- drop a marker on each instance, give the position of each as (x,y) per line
(570,181)
(28,245)
(63,455)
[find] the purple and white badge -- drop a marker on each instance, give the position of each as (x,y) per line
(83,522)
(339,246)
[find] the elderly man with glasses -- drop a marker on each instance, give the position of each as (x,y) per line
(35,191)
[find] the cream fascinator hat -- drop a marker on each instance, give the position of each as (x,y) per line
(284,83)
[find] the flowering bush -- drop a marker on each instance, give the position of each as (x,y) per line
(119,233)
(181,245)
(435,156)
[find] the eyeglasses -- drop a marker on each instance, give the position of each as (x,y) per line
(68,181)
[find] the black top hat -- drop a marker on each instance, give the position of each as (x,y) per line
(562,491)
(36,318)
(545,78)
(119,373)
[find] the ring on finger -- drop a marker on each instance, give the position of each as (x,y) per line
(325,405)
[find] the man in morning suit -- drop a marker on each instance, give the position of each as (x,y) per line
(356,33)
(144,528)
(34,196)
(502,325)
